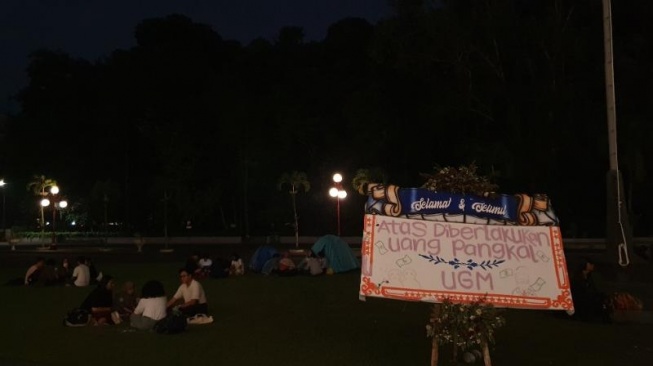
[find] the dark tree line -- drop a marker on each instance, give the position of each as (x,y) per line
(202,128)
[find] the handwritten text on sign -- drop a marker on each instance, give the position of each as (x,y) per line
(514,266)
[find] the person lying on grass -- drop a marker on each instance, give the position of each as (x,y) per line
(190,294)
(287,266)
(100,301)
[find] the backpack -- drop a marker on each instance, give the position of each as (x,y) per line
(77,318)
(172,324)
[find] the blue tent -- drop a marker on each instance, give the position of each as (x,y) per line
(261,255)
(338,253)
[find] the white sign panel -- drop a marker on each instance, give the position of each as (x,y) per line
(509,266)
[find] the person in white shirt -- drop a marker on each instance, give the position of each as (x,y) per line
(310,264)
(81,274)
(237,267)
(151,307)
(190,294)
(205,262)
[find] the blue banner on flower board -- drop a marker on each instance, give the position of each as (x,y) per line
(496,209)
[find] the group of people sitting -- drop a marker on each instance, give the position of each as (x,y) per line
(142,312)
(283,264)
(203,266)
(46,273)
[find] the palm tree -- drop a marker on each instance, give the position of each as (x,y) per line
(296,180)
(38,186)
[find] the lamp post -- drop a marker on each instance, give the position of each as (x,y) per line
(338,193)
(57,203)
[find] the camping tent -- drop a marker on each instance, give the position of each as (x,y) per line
(337,251)
(261,255)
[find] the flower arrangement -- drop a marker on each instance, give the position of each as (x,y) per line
(464,325)
(463,179)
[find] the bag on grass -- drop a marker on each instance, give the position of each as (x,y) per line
(625,301)
(171,324)
(77,318)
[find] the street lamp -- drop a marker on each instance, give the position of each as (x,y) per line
(338,193)
(57,203)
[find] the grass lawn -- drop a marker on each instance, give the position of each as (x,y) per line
(289,321)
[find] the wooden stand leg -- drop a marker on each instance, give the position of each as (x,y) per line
(486,355)
(434,352)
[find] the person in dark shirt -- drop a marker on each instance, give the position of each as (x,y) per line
(95,275)
(219,268)
(64,272)
(124,302)
(48,274)
(590,302)
(100,301)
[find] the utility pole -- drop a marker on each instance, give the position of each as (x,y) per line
(618,231)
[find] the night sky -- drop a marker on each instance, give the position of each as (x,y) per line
(91,29)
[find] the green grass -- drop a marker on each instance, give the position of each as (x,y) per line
(290,321)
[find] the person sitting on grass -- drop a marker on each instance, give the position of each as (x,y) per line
(237,267)
(590,302)
(34,271)
(94,275)
(64,272)
(151,307)
(190,294)
(310,264)
(100,301)
(124,302)
(81,276)
(205,264)
(219,268)
(48,275)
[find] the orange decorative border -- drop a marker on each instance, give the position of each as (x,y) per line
(563,301)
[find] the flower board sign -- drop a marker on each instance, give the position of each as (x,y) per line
(510,266)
